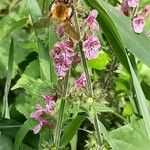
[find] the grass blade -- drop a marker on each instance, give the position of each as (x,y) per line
(8,81)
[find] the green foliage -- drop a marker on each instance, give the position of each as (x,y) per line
(28,125)
(131,136)
(27,101)
(15,20)
(70,130)
(100,62)
(30,74)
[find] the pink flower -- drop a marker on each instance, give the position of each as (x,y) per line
(132,3)
(91,20)
(50,102)
(37,114)
(60,31)
(91,47)
(63,55)
(81,82)
(50,97)
(138,24)
(147,9)
(125,8)
(38,127)
(47,110)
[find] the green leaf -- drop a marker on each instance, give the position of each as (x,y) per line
(33,70)
(28,125)
(46,67)
(26,102)
(100,62)
(9,127)
(5,142)
(132,136)
(141,98)
(70,130)
(5,112)
(128,110)
(14,20)
(146,89)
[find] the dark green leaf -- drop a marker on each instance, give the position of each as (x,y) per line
(28,125)
(71,130)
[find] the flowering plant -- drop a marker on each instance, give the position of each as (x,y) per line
(77,77)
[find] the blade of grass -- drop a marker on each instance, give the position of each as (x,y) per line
(141,98)
(43,52)
(6,113)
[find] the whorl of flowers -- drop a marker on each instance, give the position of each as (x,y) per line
(44,111)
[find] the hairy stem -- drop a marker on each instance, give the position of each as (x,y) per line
(61,111)
(87,74)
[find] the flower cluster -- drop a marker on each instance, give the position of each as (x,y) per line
(40,112)
(63,55)
(138,21)
(127,5)
(91,43)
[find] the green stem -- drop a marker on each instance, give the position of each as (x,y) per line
(61,111)
(89,84)
(98,131)
(86,70)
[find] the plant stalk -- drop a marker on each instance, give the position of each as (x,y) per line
(59,124)
(87,74)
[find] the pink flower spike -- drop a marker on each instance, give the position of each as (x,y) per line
(81,82)
(91,47)
(91,20)
(132,3)
(37,128)
(138,24)
(60,31)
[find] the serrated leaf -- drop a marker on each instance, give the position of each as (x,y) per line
(14,20)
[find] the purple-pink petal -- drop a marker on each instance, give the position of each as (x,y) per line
(125,8)
(60,31)
(81,82)
(138,24)
(37,128)
(91,47)
(132,3)
(37,114)
(91,53)
(91,20)
(63,56)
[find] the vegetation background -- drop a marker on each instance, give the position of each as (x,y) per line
(120,76)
